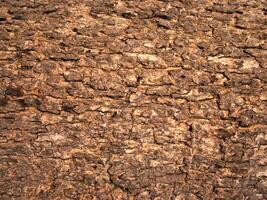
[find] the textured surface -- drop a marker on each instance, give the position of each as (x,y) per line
(112,99)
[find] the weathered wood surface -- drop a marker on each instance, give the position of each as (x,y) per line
(116,99)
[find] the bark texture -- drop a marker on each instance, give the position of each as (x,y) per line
(133,99)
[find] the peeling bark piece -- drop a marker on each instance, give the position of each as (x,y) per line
(50,9)
(164,24)
(50,107)
(199,94)
(162,15)
(3,101)
(249,117)
(263,96)
(14,91)
(46,67)
(225,9)
(2,18)
(73,76)
(129,14)
(31,101)
(64,57)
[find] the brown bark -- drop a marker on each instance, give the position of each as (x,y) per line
(152,99)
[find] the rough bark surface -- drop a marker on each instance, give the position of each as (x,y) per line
(121,99)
